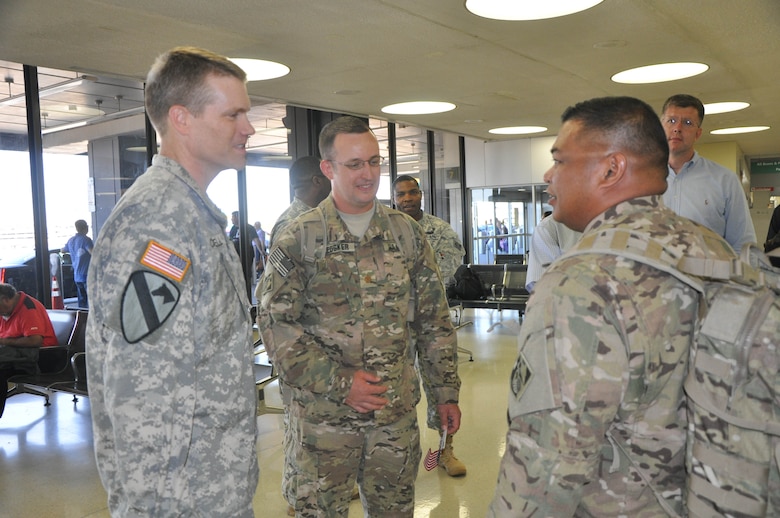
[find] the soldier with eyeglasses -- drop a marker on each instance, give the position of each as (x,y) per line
(701,189)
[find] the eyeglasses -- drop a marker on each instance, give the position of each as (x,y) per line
(357,164)
(688,123)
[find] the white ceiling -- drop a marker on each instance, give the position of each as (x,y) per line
(355,56)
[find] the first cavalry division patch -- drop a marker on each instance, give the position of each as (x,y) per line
(165,261)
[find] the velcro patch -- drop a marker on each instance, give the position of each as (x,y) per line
(521,376)
(165,261)
(147,302)
(281,262)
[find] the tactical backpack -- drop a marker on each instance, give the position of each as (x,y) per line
(733,381)
(468,285)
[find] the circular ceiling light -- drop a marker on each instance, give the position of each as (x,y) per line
(540,10)
(517,130)
(418,108)
(742,129)
(260,69)
(659,73)
(724,107)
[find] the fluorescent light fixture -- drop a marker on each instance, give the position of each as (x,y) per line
(50,90)
(742,129)
(94,120)
(724,107)
(515,10)
(517,130)
(418,107)
(659,73)
(260,69)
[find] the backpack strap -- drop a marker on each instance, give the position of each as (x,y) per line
(311,230)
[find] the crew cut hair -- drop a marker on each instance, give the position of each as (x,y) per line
(345,124)
(629,123)
(179,77)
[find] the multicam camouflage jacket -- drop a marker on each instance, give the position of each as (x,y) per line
(604,351)
(324,314)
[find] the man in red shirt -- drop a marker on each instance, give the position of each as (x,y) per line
(24,328)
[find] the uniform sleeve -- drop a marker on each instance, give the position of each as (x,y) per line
(451,254)
(435,335)
(296,353)
(565,390)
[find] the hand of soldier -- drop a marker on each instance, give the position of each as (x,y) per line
(450,417)
(364,394)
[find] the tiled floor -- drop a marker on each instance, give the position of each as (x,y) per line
(47,468)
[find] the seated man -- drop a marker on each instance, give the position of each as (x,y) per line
(24,328)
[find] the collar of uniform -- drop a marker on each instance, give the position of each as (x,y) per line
(640,204)
(176,169)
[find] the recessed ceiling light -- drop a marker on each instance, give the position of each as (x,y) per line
(734,131)
(659,73)
(260,69)
(418,107)
(514,10)
(517,130)
(725,107)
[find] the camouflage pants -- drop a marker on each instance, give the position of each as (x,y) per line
(328,458)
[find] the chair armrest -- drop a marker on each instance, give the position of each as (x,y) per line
(73,359)
(53,358)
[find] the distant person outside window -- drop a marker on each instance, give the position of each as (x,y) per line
(80,249)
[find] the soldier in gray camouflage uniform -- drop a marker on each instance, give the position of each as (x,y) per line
(336,316)
(596,404)
(169,335)
(310,187)
(449,255)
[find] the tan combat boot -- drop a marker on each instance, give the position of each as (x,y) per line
(450,463)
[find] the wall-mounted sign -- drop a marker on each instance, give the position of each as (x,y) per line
(754,189)
(764,165)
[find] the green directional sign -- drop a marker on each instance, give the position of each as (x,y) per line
(764,165)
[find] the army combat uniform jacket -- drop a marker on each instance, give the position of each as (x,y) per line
(446,245)
(596,402)
(169,355)
(350,305)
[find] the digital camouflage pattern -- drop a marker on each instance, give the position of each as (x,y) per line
(296,208)
(446,245)
(169,356)
(354,306)
(603,354)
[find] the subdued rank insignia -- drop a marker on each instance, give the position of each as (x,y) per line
(521,376)
(280,262)
(148,301)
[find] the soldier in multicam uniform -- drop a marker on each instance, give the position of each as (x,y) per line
(169,336)
(337,318)
(596,405)
(310,187)
(449,255)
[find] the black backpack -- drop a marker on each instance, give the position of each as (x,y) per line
(467,285)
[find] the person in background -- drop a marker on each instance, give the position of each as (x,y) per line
(550,239)
(310,187)
(250,258)
(260,247)
(701,189)
(169,336)
(80,249)
(346,287)
(25,327)
(449,255)
(596,392)
(772,242)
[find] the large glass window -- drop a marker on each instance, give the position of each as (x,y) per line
(502,222)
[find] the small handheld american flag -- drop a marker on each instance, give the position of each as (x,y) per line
(432,457)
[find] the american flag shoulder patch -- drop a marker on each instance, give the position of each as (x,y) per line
(281,262)
(165,261)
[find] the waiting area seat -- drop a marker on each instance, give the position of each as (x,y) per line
(265,374)
(503,287)
(62,367)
